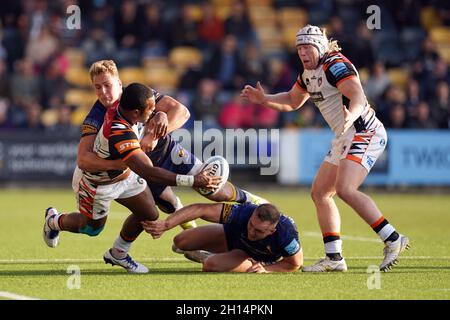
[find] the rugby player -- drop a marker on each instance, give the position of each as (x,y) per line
(333,84)
(242,238)
(118,139)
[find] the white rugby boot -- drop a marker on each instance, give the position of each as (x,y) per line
(127,263)
(392,250)
(327,265)
(51,237)
(253,198)
(197,255)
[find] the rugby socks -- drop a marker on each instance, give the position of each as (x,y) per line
(55,222)
(333,245)
(385,230)
(239,196)
(121,247)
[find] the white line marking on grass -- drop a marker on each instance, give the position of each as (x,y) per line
(13,296)
(344,237)
(156,260)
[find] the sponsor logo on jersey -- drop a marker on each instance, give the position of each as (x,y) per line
(338,69)
(292,247)
(316,96)
(369,162)
(382,142)
(126,145)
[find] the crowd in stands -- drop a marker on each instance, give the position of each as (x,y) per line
(44,82)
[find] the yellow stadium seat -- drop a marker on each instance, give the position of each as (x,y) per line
(151,63)
(223,11)
(80,97)
(440,35)
(258,3)
(270,39)
(444,52)
(75,56)
(183,57)
(364,74)
(49,117)
(78,77)
(78,115)
(429,18)
(163,79)
(292,17)
(131,74)
(398,77)
(263,17)
(289,36)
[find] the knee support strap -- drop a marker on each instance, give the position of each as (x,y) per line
(90,231)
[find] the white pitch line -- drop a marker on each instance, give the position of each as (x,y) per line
(344,237)
(13,296)
(71,261)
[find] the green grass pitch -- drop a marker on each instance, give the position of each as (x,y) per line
(29,268)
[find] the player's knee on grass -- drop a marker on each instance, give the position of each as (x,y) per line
(91,231)
(181,241)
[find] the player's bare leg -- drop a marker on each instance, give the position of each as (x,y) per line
(74,222)
(322,193)
(143,208)
(349,178)
(233,261)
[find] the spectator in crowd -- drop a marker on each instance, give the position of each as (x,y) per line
(126,35)
(205,104)
(183,30)
(421,118)
(154,32)
(4,80)
(210,28)
(99,45)
(238,24)
(41,48)
(397,117)
(440,105)
(377,82)
(224,65)
(25,85)
(236,113)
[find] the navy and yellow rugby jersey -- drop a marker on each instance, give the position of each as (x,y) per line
(284,242)
(95,118)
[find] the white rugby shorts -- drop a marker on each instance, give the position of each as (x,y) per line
(362,147)
(94,201)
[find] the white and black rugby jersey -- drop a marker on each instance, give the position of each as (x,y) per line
(321,84)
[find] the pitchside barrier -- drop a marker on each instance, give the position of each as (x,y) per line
(411,157)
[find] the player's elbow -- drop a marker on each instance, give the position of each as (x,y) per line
(82,163)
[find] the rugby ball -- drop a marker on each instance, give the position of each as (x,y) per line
(219,168)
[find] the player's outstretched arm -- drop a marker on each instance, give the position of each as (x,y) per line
(289,264)
(284,101)
(88,160)
(141,164)
(207,211)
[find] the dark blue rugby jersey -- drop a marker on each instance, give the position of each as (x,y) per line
(284,242)
(96,116)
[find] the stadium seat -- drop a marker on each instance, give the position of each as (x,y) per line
(289,33)
(429,18)
(270,39)
(80,97)
(440,35)
(183,57)
(49,117)
(258,3)
(78,77)
(398,76)
(75,56)
(292,17)
(131,74)
(162,79)
(151,63)
(444,52)
(263,17)
(78,115)
(364,75)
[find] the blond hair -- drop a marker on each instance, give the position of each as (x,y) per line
(103,66)
(332,44)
